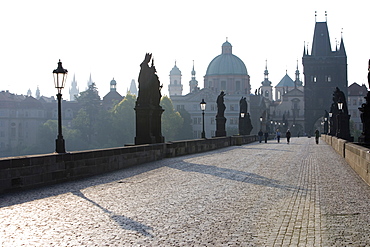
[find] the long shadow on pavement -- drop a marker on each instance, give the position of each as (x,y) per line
(123,221)
(235,175)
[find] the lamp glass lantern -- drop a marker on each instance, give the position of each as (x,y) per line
(330,114)
(203,105)
(242,114)
(340,105)
(60,76)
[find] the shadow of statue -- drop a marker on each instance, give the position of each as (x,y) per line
(123,221)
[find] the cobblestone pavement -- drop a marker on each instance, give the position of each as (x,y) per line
(271,194)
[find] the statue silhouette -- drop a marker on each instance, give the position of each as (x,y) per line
(220,105)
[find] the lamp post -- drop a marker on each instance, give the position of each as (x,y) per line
(203,107)
(60,76)
(330,123)
(272,126)
(261,118)
(339,119)
(242,124)
(325,125)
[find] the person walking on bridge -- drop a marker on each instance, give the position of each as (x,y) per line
(288,135)
(317,135)
(278,134)
(266,136)
(260,134)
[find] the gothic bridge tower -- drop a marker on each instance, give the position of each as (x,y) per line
(323,70)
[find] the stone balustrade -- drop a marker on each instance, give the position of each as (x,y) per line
(358,157)
(17,173)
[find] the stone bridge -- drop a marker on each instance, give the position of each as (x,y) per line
(257,194)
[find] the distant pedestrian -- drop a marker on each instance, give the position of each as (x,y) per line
(266,136)
(317,135)
(288,135)
(260,134)
(278,134)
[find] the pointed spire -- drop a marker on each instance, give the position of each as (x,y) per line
(266,81)
(296,76)
(321,40)
(193,71)
(90,82)
(133,88)
(266,73)
(342,50)
(193,84)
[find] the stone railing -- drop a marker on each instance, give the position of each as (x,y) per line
(358,157)
(27,172)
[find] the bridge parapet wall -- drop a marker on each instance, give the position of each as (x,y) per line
(358,157)
(18,173)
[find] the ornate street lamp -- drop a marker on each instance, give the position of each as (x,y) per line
(325,125)
(330,131)
(203,108)
(272,126)
(60,76)
(340,105)
(340,129)
(242,124)
(261,118)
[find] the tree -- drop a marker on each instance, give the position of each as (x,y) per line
(172,122)
(86,118)
(186,132)
(123,120)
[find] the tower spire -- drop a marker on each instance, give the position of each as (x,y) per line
(296,76)
(193,84)
(266,73)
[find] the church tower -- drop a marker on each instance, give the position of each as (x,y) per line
(73,90)
(193,83)
(175,87)
(323,70)
(297,82)
(133,88)
(266,88)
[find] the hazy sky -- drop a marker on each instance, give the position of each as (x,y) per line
(109,39)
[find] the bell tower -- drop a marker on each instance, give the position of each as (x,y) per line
(175,87)
(266,88)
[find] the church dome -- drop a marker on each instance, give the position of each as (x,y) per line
(175,70)
(226,63)
(113,82)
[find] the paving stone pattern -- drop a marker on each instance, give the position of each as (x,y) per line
(258,194)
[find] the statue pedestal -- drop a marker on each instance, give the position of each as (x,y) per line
(148,125)
(220,126)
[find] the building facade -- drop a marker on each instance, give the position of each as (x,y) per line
(226,72)
(356,94)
